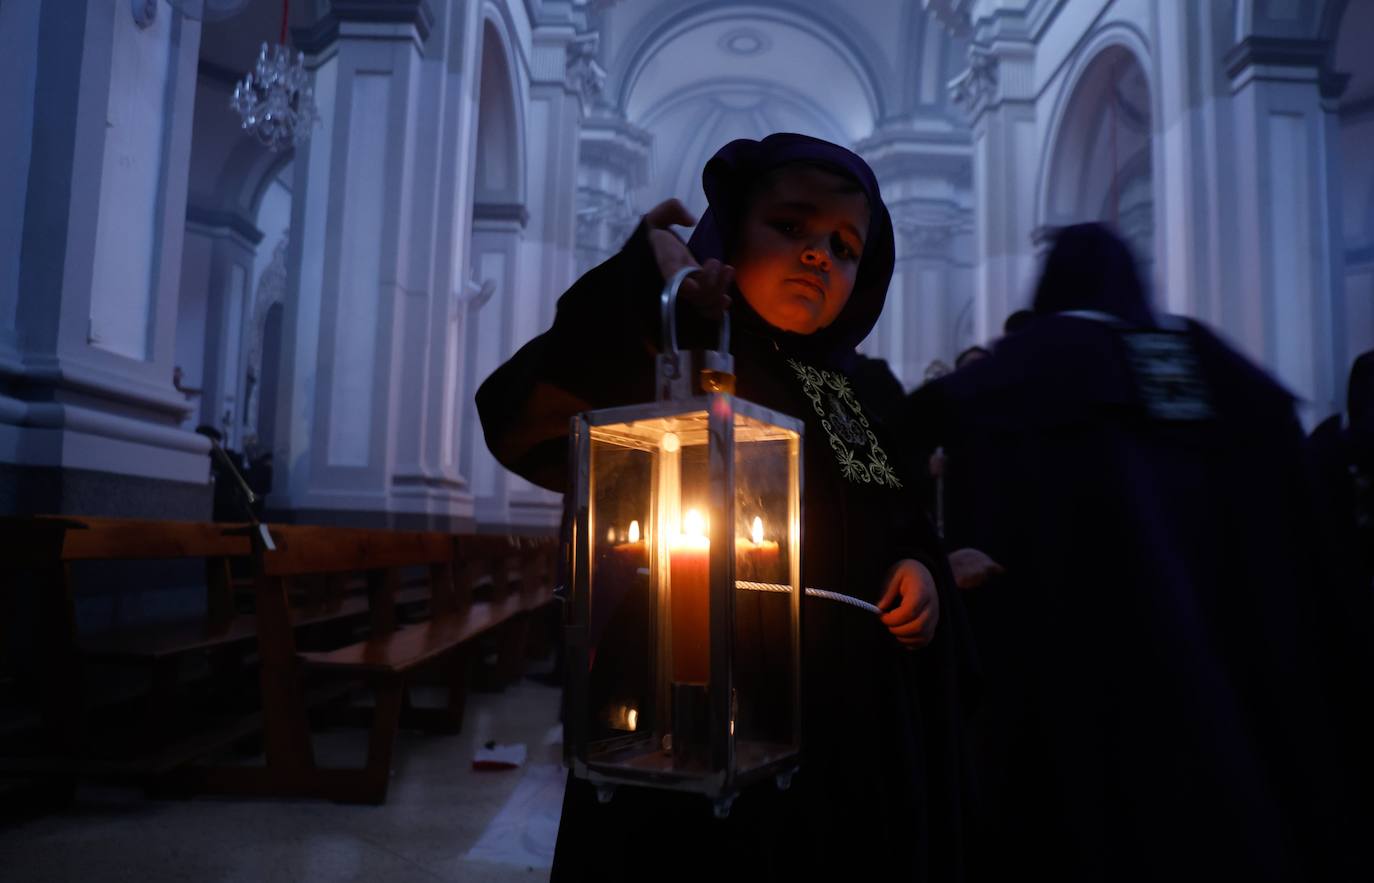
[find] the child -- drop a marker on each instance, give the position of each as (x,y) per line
(810,250)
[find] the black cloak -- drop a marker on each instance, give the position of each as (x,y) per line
(883,779)
(1153,705)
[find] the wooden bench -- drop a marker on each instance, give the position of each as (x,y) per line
(510,575)
(317,579)
(49,548)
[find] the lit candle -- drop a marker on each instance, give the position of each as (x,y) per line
(629,555)
(690,575)
(620,570)
(756,558)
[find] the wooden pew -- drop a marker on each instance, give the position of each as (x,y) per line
(475,586)
(48,547)
(386,659)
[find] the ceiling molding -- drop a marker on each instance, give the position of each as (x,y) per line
(766,88)
(826,23)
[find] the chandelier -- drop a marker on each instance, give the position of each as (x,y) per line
(275,99)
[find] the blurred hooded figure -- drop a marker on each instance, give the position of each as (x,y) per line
(1343,465)
(1155,705)
(1344,457)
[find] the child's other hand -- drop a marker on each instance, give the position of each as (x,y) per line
(972,568)
(709,290)
(912,588)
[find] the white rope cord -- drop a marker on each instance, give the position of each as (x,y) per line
(750,586)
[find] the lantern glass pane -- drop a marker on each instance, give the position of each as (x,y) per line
(766,531)
(621,619)
(659,680)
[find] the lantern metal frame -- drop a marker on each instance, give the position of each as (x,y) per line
(724,778)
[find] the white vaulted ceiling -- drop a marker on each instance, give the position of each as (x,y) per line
(697,74)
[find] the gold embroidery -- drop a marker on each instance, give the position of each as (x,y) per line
(845,431)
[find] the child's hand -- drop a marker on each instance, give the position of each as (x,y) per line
(913,620)
(708,290)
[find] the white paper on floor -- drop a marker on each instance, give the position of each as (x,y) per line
(524,831)
(493,756)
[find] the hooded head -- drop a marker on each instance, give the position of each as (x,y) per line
(741,173)
(1090,268)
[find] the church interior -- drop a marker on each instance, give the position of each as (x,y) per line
(228,325)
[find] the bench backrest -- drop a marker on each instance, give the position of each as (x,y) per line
(52,543)
(90,538)
(303,549)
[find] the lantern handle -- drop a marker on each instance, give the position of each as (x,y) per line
(668,303)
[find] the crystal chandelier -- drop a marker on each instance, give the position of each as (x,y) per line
(275,99)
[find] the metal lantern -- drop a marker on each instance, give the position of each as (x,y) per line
(684,617)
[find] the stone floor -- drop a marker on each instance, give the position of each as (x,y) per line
(442,820)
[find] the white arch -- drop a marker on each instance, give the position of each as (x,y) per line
(685,160)
(1117,35)
(835,32)
(515,99)
(247,173)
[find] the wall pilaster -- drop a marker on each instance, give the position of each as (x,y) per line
(89,275)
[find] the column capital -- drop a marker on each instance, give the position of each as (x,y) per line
(929,228)
(325,31)
(616,145)
(997,73)
(501,212)
(898,153)
(613,161)
(1286,59)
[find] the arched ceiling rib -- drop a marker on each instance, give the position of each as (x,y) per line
(774,52)
(698,75)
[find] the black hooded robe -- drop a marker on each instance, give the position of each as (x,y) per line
(1153,706)
(883,780)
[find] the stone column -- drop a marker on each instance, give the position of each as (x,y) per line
(564,80)
(378,232)
(925,178)
(998,92)
(97,150)
(489,304)
(428,474)
(220,253)
(613,164)
(1287,294)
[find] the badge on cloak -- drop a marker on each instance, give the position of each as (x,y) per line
(861,459)
(1167,376)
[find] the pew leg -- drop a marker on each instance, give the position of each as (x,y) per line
(456,680)
(381,743)
(541,639)
(511,661)
(285,726)
(158,715)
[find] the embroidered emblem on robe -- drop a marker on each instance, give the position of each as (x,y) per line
(862,460)
(1170,382)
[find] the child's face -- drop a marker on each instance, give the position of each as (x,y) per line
(799,248)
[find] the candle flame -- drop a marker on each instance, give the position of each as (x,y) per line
(634,531)
(632,718)
(692,524)
(757,532)
(670,443)
(610,535)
